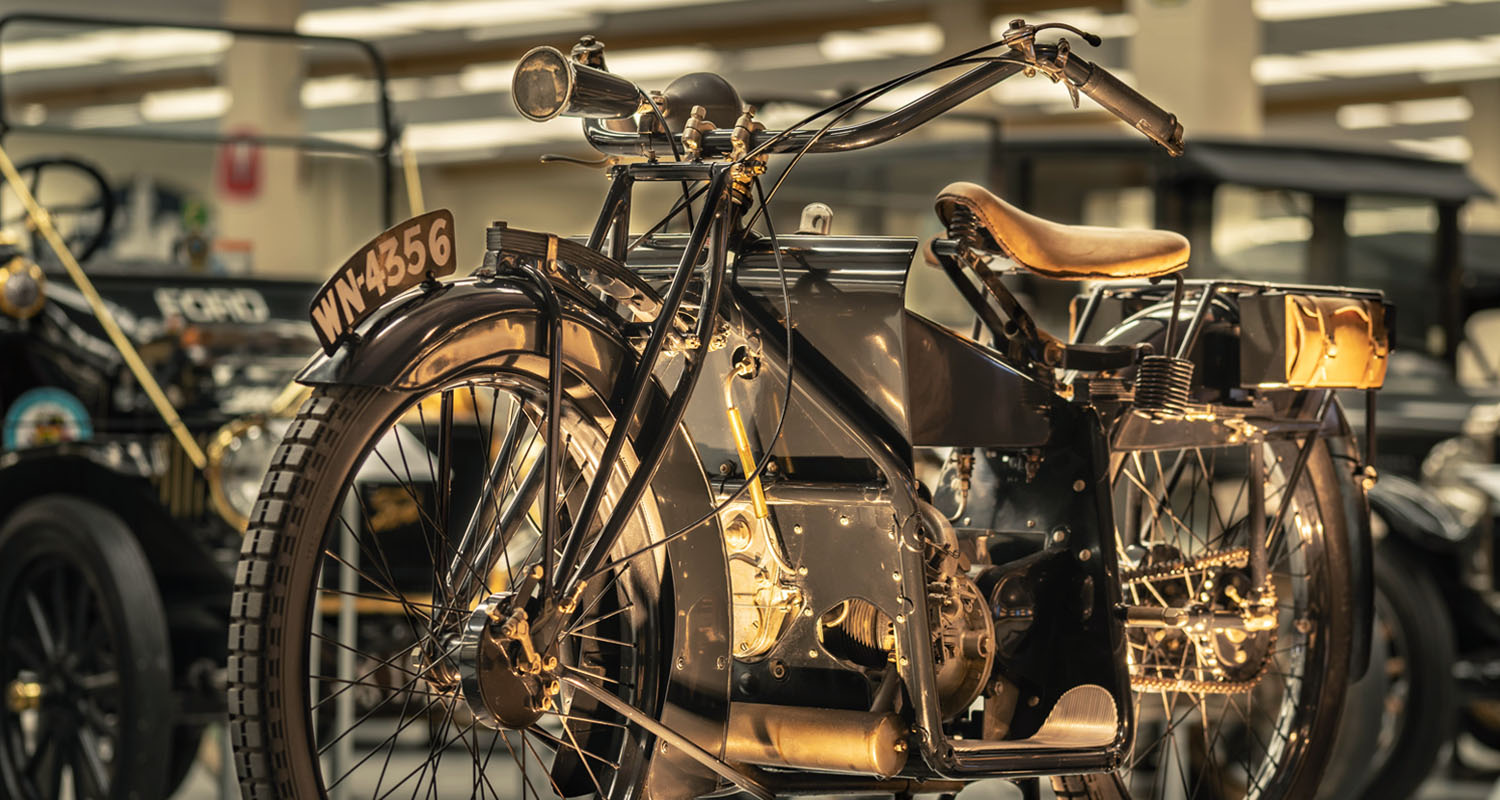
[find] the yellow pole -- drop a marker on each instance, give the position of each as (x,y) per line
(411,177)
(43,223)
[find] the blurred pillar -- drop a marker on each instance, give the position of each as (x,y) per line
(1194,57)
(264,79)
(965,24)
(1483,133)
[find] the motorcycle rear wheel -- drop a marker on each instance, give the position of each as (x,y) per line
(1248,720)
(295,656)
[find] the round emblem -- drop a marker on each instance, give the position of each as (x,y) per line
(46,416)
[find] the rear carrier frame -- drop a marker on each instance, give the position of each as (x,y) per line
(1286,336)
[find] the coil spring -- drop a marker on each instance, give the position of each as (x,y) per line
(963,226)
(1162,385)
(858,632)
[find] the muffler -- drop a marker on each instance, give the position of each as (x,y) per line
(820,739)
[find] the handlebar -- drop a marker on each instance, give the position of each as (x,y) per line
(837,140)
(1124,102)
(549,84)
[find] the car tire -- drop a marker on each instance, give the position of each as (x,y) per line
(104,674)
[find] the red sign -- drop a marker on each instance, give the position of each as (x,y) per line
(239,166)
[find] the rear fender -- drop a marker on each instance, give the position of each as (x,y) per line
(429,336)
(1214,346)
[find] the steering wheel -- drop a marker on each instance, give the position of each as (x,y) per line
(83,220)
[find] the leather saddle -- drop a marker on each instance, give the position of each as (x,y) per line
(1068,252)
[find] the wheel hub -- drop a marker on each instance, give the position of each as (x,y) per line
(505,683)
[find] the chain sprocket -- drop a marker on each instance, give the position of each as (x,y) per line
(1233,558)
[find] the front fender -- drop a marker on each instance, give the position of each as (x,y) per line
(425,334)
(428,336)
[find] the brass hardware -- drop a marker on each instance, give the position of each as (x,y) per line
(23,696)
(737,534)
(742,439)
(822,739)
(23,289)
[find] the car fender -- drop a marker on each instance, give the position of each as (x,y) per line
(1413,514)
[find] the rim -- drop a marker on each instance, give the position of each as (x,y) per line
(1218,714)
(396,589)
(61,724)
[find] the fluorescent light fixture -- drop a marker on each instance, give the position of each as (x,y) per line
(1446,148)
(1428,57)
(918,39)
(1283,10)
(337,90)
(143,44)
(1433,110)
(179,105)
(660,62)
(493,77)
(1426,111)
(1272,70)
(1396,58)
(118,115)
(1361,116)
(485,19)
(481,134)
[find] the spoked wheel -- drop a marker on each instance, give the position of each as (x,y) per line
(387,588)
(84,665)
(1237,684)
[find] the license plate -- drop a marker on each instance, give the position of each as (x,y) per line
(402,257)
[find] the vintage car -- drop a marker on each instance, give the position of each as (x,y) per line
(117,550)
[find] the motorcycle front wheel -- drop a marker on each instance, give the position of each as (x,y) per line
(358,591)
(1224,710)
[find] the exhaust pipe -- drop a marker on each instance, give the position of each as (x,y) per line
(819,739)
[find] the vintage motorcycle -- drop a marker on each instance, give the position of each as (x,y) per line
(1143,571)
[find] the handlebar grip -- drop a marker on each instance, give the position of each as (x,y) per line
(1126,103)
(548,84)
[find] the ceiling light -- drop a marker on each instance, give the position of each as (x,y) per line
(119,115)
(660,62)
(919,39)
(1434,109)
(338,90)
(494,77)
(1271,70)
(179,105)
(1361,116)
(1282,10)
(1389,59)
(143,44)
